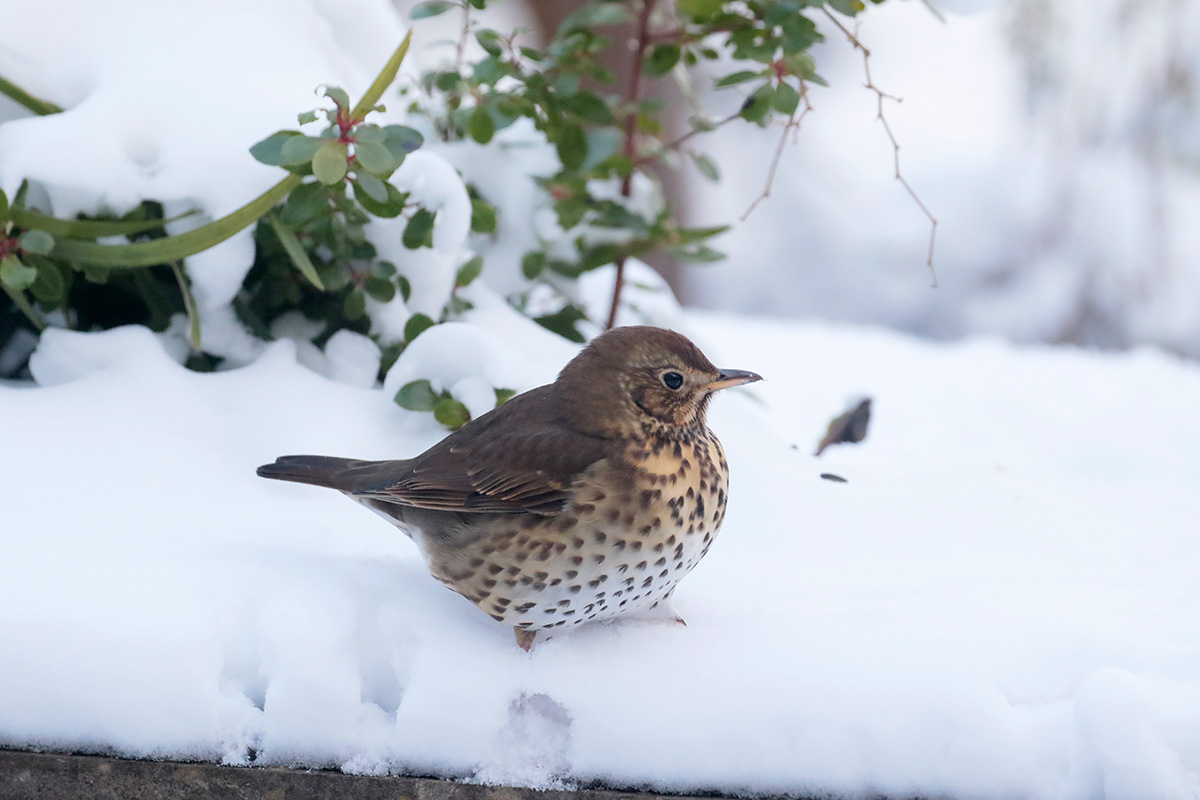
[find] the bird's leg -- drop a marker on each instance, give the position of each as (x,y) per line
(525,638)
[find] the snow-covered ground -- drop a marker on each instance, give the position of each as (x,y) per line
(1001,602)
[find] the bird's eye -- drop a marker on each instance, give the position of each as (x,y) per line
(672,380)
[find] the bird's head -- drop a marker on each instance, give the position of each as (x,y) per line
(638,380)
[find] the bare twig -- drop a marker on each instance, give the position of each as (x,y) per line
(630,143)
(792,125)
(880,96)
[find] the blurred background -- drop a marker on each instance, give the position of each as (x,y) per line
(1057,143)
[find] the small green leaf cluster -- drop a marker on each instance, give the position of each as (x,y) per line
(604,134)
(419,395)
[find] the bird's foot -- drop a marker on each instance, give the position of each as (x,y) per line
(525,638)
(678,620)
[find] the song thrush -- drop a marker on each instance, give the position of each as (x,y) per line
(585,499)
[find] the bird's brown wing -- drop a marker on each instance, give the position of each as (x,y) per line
(519,458)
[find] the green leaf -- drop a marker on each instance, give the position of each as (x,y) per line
(598,256)
(504,395)
(594,15)
(295,251)
(785,99)
(369,133)
(483,216)
(374,187)
(329,163)
(3,206)
(88,228)
(570,211)
(430,8)
(451,413)
(662,59)
(270,150)
(337,95)
(850,8)
(300,149)
(489,41)
(355,305)
(758,105)
(419,230)
(15,275)
(393,206)
(306,117)
(532,264)
(698,9)
(309,200)
(405,287)
(383,269)
(36,241)
(469,271)
(380,289)
(49,287)
(572,146)
(738,77)
(481,126)
(189,305)
(416,325)
(416,396)
(402,140)
(706,166)
(563,322)
(603,143)
(588,106)
(375,158)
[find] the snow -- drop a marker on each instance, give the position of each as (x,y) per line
(1055,142)
(1000,602)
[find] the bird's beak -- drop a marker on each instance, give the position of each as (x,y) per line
(732,377)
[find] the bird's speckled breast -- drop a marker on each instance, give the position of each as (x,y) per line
(619,547)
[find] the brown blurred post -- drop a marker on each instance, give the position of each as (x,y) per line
(550,14)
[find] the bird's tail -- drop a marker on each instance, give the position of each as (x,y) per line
(343,474)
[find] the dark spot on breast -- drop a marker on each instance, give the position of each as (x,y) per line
(571,573)
(646,583)
(600,537)
(488,583)
(526,580)
(640,565)
(663,574)
(476,563)
(495,569)
(575,589)
(566,522)
(556,582)
(661,561)
(586,508)
(524,607)
(577,560)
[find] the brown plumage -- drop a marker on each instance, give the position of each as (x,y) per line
(584,499)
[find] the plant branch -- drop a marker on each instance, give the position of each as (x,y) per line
(880,96)
(630,137)
(793,124)
(34,104)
